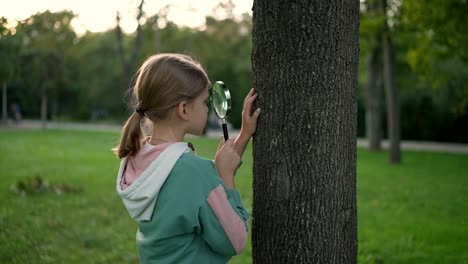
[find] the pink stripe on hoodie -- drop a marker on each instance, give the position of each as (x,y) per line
(138,164)
(232,224)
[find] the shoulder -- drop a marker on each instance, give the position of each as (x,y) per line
(189,159)
(199,169)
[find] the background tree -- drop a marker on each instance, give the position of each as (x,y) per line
(393,107)
(371,42)
(46,38)
(9,48)
(438,49)
(224,49)
(430,64)
(305,65)
(129,64)
(377,32)
(46,70)
(96,77)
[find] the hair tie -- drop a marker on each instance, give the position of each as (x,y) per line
(140,111)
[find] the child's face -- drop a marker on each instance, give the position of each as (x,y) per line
(198,113)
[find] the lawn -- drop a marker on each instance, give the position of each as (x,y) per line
(412,213)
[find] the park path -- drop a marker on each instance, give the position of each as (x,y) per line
(361,142)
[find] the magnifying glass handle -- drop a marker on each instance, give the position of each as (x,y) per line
(225,130)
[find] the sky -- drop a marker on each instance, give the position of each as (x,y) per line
(99,15)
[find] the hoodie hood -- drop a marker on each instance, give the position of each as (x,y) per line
(140,197)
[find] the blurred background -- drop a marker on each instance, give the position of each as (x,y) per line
(68,64)
(68,61)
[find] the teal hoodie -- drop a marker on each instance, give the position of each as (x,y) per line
(184,212)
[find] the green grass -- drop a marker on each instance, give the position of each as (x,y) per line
(413,213)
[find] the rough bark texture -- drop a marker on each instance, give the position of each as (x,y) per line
(305,61)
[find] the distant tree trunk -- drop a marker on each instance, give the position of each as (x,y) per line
(54,112)
(161,14)
(189,44)
(44,111)
(373,91)
(373,88)
(305,65)
(127,66)
(157,38)
(4,103)
(393,110)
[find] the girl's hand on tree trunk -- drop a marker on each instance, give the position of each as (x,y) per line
(249,117)
(249,122)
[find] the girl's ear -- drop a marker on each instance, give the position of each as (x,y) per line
(182,110)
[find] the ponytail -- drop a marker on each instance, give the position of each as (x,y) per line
(162,82)
(130,138)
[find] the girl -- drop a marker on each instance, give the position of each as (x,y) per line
(186,207)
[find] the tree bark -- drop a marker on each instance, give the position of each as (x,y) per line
(305,65)
(393,109)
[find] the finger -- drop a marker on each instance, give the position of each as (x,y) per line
(256,114)
(249,105)
(229,142)
(249,94)
(221,143)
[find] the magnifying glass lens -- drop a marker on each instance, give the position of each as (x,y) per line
(219,102)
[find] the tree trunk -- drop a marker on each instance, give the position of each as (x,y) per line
(373,91)
(127,66)
(4,103)
(373,87)
(305,65)
(44,111)
(54,112)
(157,38)
(393,110)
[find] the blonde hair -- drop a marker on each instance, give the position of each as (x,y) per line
(162,82)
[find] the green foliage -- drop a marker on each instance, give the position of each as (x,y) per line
(438,49)
(9,48)
(431,65)
(412,213)
(89,70)
(82,76)
(97,77)
(224,50)
(43,66)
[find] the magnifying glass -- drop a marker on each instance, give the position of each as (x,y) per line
(220,99)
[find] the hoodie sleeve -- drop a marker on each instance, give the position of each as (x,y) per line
(223,221)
